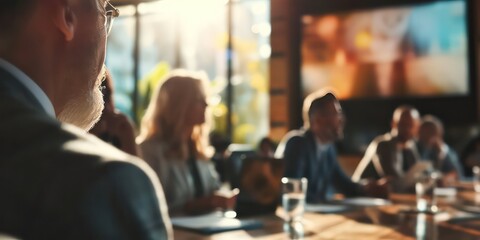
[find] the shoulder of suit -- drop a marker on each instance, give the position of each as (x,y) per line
(53,146)
(385,138)
(152,141)
(295,134)
(83,143)
(293,139)
(151,144)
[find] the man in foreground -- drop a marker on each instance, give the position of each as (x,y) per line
(56,181)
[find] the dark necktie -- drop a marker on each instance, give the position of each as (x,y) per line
(408,159)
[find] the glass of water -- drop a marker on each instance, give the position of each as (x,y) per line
(476,178)
(293,203)
(425,189)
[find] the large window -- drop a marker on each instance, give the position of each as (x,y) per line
(193,34)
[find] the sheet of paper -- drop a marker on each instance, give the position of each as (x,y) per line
(204,221)
(445,191)
(366,201)
(355,230)
(325,208)
(213,222)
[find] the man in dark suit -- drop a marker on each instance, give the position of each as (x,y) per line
(311,153)
(57,181)
(393,154)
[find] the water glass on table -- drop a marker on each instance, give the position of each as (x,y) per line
(425,189)
(476,179)
(228,200)
(293,203)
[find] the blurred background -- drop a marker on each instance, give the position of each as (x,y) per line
(264,56)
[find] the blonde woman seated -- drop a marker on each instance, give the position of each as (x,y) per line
(174,142)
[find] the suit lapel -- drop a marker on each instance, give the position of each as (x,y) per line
(312,155)
(316,168)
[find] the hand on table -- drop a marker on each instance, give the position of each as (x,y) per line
(224,200)
(378,188)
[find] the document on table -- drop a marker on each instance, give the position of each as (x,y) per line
(326,208)
(214,223)
(365,202)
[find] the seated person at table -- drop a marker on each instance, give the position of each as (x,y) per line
(220,159)
(470,156)
(311,153)
(57,181)
(432,148)
(266,147)
(174,142)
(391,155)
(114,127)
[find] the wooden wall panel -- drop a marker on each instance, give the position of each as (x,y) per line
(280,68)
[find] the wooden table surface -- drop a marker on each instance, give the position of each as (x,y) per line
(384,222)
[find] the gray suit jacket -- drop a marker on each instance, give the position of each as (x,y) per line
(57,182)
(175,175)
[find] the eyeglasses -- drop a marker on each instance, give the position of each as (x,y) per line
(109,16)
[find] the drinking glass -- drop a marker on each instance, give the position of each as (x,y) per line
(293,202)
(425,189)
(476,178)
(230,197)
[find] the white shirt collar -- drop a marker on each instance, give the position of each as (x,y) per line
(321,147)
(36,91)
(410,144)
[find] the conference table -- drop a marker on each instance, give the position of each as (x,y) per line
(458,219)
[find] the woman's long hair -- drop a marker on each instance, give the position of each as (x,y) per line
(166,116)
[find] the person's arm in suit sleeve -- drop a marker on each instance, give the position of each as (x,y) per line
(383,161)
(342,181)
(153,155)
(450,166)
(126,201)
(387,159)
(366,163)
(292,156)
(452,163)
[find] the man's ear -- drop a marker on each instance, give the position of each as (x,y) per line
(65,20)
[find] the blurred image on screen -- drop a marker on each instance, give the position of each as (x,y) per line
(419,50)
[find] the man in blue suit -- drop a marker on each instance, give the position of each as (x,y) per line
(57,181)
(311,153)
